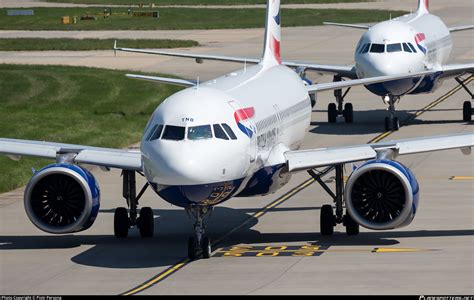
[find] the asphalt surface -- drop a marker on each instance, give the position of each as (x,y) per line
(434,255)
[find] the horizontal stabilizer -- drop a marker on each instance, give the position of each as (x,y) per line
(461,28)
(356,26)
(174,81)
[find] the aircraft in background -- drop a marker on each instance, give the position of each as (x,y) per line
(409,44)
(234,136)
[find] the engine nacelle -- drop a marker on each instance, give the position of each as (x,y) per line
(312,97)
(62,198)
(382,194)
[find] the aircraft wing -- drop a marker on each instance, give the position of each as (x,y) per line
(103,157)
(310,159)
(454,70)
(461,28)
(355,26)
(345,71)
(321,87)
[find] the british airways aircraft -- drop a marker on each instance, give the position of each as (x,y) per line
(411,44)
(408,44)
(238,135)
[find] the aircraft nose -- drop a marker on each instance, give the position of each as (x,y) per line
(190,163)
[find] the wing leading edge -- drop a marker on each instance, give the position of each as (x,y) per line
(103,157)
(310,159)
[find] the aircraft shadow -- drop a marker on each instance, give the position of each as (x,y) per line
(373,121)
(173,227)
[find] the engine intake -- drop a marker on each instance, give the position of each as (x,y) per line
(62,198)
(382,195)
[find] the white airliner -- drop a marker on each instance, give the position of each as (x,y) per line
(410,44)
(235,136)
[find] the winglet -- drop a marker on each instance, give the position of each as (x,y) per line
(271,52)
(115,48)
(423,6)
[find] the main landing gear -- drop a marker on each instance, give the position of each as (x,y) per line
(328,219)
(392,123)
(346,110)
(199,246)
(467,105)
(123,220)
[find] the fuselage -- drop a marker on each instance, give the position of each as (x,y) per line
(413,43)
(226,137)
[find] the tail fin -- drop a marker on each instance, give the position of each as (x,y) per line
(271,51)
(423,6)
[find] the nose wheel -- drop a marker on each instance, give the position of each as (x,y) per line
(199,246)
(467,111)
(392,123)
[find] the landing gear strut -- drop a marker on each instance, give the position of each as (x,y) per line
(392,123)
(124,220)
(467,105)
(199,246)
(328,219)
(346,110)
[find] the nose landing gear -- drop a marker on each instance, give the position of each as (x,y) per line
(199,246)
(467,105)
(392,123)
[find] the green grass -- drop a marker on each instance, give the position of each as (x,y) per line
(36,44)
(198,2)
(71,105)
(186,18)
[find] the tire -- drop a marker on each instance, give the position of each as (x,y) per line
(467,111)
(396,124)
(327,220)
(146,222)
(312,97)
(193,248)
(349,113)
(388,126)
(332,113)
(352,228)
(121,222)
(206,247)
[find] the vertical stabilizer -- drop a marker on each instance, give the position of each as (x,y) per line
(271,51)
(423,6)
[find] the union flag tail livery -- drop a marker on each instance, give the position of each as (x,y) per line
(423,6)
(271,52)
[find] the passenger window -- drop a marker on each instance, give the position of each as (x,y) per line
(365,49)
(406,48)
(229,131)
(200,132)
(219,132)
(377,48)
(413,49)
(394,48)
(155,132)
(174,133)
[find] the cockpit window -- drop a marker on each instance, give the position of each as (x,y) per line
(406,48)
(174,133)
(219,132)
(229,131)
(394,48)
(200,132)
(155,132)
(377,48)
(365,48)
(412,48)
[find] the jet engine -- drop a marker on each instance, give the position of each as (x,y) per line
(62,198)
(382,194)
